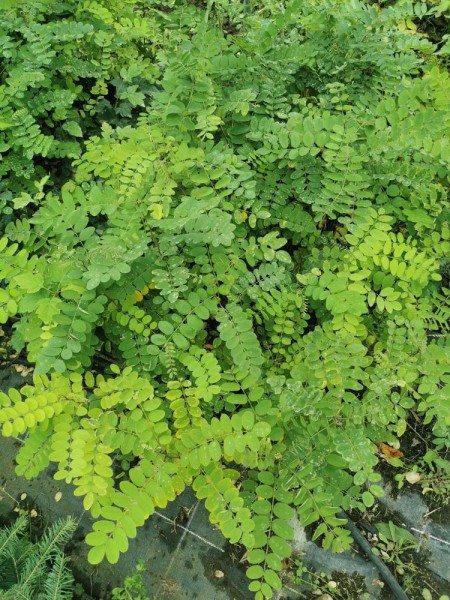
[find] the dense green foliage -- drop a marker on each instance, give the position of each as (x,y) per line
(35,570)
(226,252)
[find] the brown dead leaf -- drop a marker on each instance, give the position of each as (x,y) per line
(389,452)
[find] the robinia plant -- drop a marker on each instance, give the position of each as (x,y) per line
(225,253)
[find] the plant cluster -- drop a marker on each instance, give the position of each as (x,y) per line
(325,586)
(400,550)
(432,473)
(393,544)
(226,254)
(133,586)
(35,570)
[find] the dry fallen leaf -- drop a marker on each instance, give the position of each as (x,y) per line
(33,513)
(332,585)
(219,574)
(412,477)
(389,452)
